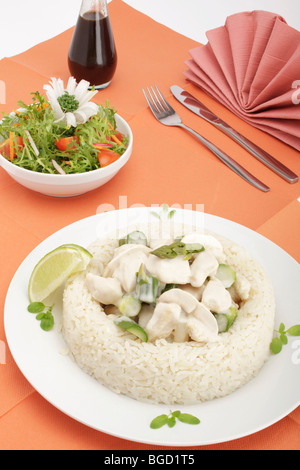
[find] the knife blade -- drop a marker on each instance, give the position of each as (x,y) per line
(194,105)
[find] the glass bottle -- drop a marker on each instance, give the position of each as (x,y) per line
(92,54)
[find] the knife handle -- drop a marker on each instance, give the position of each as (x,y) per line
(232,164)
(260,154)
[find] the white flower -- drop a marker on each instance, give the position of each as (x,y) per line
(76,97)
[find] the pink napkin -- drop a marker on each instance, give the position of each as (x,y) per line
(252,66)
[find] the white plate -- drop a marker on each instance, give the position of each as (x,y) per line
(273,394)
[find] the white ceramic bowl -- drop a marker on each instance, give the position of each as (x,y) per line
(70,185)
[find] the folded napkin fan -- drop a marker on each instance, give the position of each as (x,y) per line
(252,66)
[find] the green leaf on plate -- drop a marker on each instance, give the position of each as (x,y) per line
(276,345)
(170,419)
(159,421)
(294,330)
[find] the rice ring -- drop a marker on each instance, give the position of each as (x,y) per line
(164,372)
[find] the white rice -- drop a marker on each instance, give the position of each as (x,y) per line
(162,372)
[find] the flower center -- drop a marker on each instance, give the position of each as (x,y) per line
(68,103)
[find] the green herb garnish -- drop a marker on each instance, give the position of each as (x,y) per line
(170,419)
(178,248)
(165,213)
(44,315)
(67,102)
(281,337)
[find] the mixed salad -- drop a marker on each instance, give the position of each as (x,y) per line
(62,133)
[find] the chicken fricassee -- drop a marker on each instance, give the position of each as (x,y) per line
(178,290)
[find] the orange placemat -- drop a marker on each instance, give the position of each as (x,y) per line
(166,166)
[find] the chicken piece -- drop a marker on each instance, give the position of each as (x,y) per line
(145,315)
(194,291)
(215,297)
(169,271)
(241,287)
(209,242)
(125,264)
(198,332)
(204,265)
(163,321)
(180,333)
(105,290)
(195,320)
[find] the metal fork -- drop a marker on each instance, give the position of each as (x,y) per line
(165,114)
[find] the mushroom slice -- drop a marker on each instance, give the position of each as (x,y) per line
(184,299)
(105,290)
(169,271)
(204,265)
(163,320)
(122,251)
(216,297)
(125,264)
(202,325)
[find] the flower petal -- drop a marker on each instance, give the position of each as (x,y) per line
(80,116)
(81,89)
(55,89)
(62,119)
(70,119)
(58,86)
(58,113)
(89,109)
(87,97)
(71,87)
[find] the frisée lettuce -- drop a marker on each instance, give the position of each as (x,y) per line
(33,139)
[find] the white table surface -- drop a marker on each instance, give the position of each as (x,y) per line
(24,23)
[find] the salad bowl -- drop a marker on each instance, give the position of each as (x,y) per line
(70,184)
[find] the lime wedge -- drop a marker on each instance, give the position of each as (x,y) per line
(54,268)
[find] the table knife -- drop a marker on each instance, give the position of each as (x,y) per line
(193,104)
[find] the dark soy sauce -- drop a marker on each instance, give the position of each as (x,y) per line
(92,54)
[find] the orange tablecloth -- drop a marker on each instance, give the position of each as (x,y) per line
(167,166)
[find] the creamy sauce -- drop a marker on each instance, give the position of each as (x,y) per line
(187,309)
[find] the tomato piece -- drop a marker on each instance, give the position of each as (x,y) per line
(119,136)
(106,157)
(20,142)
(63,143)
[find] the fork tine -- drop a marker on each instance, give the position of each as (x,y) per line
(168,107)
(154,99)
(153,109)
(158,101)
